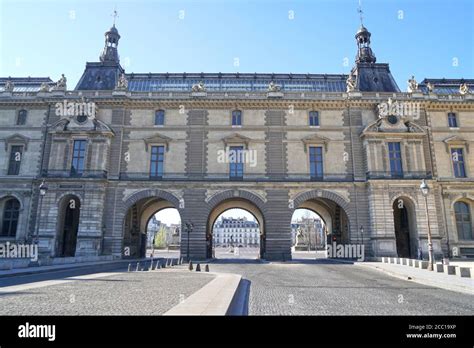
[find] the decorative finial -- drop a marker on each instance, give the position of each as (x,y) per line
(361,13)
(115,14)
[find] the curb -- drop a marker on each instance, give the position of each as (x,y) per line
(70,266)
(424,281)
(215,298)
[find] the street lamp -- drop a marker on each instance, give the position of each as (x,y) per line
(42,192)
(189,228)
(362,233)
(424,191)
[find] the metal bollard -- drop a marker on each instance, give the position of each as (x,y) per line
(190,267)
(151,266)
(206,268)
(129,267)
(198,268)
(138,266)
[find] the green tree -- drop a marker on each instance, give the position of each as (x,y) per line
(160,238)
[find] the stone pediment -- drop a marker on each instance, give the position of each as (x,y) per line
(236,139)
(157,139)
(383,126)
(70,125)
(315,139)
(16,139)
(456,140)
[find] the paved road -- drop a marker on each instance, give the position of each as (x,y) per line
(320,287)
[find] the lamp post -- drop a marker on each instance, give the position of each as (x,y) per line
(189,228)
(362,234)
(42,192)
(424,191)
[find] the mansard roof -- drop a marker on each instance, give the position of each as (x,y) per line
(25,84)
(445,86)
(228,82)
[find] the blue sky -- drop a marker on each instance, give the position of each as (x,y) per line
(429,38)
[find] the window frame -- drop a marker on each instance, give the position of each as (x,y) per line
(159,115)
(396,161)
(13,220)
(238,167)
(461,221)
(157,161)
(236,115)
(453,116)
(21,117)
(457,165)
(76,159)
(314,115)
(15,169)
(317,163)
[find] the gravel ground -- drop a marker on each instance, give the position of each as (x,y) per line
(326,288)
(135,293)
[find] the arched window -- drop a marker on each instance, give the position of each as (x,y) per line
(463,220)
(11,212)
(21,119)
(160,118)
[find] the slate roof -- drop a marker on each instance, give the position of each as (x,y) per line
(25,84)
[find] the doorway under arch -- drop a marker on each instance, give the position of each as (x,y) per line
(308,231)
(136,240)
(68,226)
(236,204)
(406,235)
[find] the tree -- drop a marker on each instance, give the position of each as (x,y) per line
(160,237)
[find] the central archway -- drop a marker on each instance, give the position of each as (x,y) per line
(234,203)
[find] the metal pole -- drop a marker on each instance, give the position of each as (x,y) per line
(430,241)
(187,230)
(39,219)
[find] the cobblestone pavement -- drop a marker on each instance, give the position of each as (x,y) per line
(135,293)
(321,287)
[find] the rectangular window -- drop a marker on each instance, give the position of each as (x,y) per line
(236,118)
(15,160)
(316,162)
(457,156)
(236,163)
(314,118)
(157,161)
(78,157)
(395,156)
(452,120)
(160,118)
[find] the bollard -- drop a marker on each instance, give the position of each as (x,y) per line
(181,260)
(190,267)
(206,268)
(138,266)
(198,268)
(129,267)
(151,266)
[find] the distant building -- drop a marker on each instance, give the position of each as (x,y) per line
(240,232)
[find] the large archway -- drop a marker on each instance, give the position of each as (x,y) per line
(142,207)
(332,209)
(227,205)
(308,233)
(68,226)
(406,235)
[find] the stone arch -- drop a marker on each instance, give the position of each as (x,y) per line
(60,198)
(332,196)
(137,196)
(67,224)
(232,199)
(13,195)
(164,199)
(406,243)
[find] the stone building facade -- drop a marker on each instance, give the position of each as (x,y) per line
(238,232)
(122,146)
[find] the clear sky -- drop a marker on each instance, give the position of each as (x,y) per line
(425,38)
